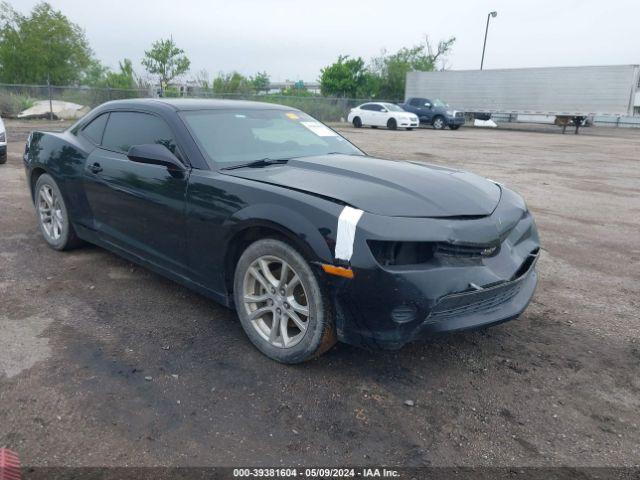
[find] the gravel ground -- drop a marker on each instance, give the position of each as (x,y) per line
(105,363)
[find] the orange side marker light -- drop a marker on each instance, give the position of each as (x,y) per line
(337,271)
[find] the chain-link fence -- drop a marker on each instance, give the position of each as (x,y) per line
(15,99)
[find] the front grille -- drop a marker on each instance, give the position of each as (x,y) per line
(474,302)
(457,250)
(484,300)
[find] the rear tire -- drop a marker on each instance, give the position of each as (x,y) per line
(357,123)
(392,124)
(3,158)
(265,298)
(409,129)
(53,215)
(438,122)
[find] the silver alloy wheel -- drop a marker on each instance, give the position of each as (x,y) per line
(50,212)
(438,123)
(276,301)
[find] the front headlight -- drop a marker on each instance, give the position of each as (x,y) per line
(451,113)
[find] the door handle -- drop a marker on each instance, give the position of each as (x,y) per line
(95,168)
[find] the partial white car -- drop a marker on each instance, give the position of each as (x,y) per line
(3,143)
(379,114)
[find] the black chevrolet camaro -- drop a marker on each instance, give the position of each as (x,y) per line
(270,212)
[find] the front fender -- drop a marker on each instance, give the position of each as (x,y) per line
(314,239)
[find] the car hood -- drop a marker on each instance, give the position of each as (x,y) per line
(384,187)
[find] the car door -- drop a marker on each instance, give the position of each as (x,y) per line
(137,207)
(378,117)
(366,114)
(424,111)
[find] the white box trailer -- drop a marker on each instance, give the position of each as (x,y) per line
(568,93)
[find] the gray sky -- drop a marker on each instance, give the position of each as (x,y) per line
(294,39)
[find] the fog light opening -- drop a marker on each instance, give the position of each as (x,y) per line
(404,314)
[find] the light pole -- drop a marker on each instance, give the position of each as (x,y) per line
(493,14)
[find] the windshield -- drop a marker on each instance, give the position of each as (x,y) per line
(393,108)
(439,103)
(238,136)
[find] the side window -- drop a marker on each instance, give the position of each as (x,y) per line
(416,102)
(95,129)
(366,106)
(133,128)
(376,107)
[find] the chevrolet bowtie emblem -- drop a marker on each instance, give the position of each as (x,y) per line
(488,251)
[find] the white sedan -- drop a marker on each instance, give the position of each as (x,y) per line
(381,114)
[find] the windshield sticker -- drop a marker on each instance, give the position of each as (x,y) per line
(319,129)
(292,116)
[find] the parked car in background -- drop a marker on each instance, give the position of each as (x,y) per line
(266,210)
(434,112)
(376,114)
(3,143)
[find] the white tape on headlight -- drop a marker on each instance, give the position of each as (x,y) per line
(347,223)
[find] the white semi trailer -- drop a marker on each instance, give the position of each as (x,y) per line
(571,94)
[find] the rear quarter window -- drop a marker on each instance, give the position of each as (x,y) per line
(94,130)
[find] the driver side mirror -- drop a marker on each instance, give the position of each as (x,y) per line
(428,105)
(384,110)
(155,154)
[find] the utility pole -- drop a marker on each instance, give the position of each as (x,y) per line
(493,14)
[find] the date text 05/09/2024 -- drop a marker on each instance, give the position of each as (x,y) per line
(315,473)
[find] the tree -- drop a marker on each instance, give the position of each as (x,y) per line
(43,46)
(233,82)
(392,70)
(201,79)
(344,78)
(97,75)
(124,79)
(260,82)
(165,60)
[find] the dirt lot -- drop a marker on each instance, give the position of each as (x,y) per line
(80,332)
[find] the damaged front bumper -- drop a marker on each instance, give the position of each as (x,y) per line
(479,272)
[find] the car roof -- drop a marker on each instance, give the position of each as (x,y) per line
(182,104)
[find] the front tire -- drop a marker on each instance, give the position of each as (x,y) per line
(357,123)
(439,123)
(280,303)
(53,215)
(392,124)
